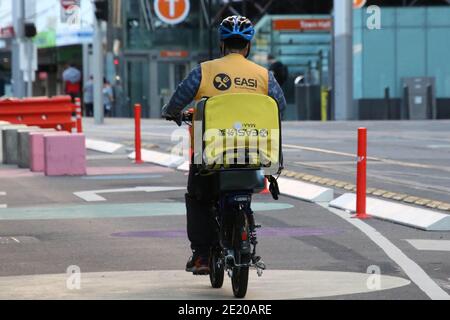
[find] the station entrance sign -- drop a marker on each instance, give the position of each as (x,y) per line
(302,24)
(171,11)
(358,4)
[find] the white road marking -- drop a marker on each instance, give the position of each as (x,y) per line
(3,206)
(15,240)
(127,133)
(180,285)
(411,268)
(184,166)
(106,157)
(439,146)
(160,158)
(92,195)
(430,245)
(344,154)
(351,155)
(325,164)
(378,175)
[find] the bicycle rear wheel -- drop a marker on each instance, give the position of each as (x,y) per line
(216,267)
(239,278)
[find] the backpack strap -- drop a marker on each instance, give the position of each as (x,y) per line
(273,187)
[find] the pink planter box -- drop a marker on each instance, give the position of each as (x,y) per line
(65,155)
(37,160)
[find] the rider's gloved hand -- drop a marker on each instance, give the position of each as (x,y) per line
(178,120)
(169,117)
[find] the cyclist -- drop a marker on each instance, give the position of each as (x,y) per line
(232,73)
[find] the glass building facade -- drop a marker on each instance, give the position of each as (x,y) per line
(412,42)
(157,56)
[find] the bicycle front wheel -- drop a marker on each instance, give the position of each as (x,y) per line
(241,246)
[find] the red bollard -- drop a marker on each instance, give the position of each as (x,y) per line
(78,115)
(137,133)
(361,175)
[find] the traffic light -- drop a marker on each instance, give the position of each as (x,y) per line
(101,9)
(30,30)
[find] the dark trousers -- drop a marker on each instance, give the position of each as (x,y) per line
(200,200)
(89,107)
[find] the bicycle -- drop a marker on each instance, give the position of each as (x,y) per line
(234,249)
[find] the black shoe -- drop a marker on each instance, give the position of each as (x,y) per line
(198,265)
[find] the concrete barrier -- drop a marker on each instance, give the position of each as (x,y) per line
(36,151)
(23,158)
(396,212)
(2,124)
(9,143)
(160,158)
(102,146)
(65,155)
(305,191)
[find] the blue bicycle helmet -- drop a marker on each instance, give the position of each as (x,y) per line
(236,27)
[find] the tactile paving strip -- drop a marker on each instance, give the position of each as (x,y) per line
(423,202)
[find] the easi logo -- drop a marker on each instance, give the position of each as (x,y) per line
(244,132)
(246,83)
(222,82)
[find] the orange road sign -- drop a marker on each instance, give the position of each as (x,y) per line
(171,11)
(358,4)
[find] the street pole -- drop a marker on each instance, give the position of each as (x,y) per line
(210,44)
(18,8)
(30,54)
(343,60)
(98,73)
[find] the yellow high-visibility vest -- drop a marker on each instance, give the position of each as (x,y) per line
(232,74)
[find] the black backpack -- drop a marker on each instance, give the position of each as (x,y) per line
(280,71)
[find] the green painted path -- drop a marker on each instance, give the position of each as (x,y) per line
(93,211)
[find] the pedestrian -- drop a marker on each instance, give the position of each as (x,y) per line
(108,97)
(119,98)
(88,97)
(72,81)
(280,71)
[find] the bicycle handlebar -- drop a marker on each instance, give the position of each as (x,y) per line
(185,117)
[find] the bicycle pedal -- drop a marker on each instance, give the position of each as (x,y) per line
(229,260)
(256,259)
(260,265)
